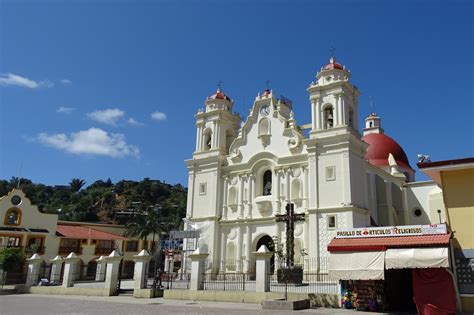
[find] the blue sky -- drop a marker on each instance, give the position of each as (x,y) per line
(99,89)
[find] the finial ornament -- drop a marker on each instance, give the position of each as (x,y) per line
(219,86)
(332,49)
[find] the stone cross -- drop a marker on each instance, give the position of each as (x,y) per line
(290,218)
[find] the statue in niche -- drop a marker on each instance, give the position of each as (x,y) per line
(267,183)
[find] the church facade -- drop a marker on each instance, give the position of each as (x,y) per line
(243,173)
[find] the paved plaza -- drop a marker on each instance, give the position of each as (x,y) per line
(48,304)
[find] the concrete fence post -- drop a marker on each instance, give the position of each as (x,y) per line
(197,269)
(140,272)
(70,268)
(100,271)
(262,257)
(112,273)
(34,263)
(56,265)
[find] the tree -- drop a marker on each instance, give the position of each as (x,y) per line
(145,223)
(76,184)
(10,257)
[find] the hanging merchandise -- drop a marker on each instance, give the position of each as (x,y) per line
(363,295)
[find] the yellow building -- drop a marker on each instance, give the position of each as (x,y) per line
(456,177)
(24,226)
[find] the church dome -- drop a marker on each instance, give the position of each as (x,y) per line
(333,65)
(380,146)
(219,95)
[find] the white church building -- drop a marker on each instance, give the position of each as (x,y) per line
(242,174)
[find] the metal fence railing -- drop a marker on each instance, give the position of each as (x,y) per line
(16,276)
(299,281)
(229,281)
(168,281)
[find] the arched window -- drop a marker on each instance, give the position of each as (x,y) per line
(264,127)
(267,183)
(13,217)
(328,117)
(371,124)
(207,139)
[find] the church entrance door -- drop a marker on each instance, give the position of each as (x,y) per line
(267,241)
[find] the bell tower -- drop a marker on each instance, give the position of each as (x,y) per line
(372,124)
(335,149)
(216,125)
(334,101)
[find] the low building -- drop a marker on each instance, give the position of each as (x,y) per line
(456,177)
(25,226)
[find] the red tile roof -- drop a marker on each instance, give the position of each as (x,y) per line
(382,243)
(76,231)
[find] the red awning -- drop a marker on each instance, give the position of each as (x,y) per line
(81,232)
(382,243)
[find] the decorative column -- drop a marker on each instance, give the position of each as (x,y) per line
(56,265)
(112,273)
(287,179)
(305,187)
(248,242)
(314,122)
(306,258)
(277,191)
(338,110)
(239,248)
(224,199)
(262,256)
(198,138)
(197,269)
(321,114)
(278,234)
(241,197)
(223,249)
(34,263)
(140,272)
(251,180)
(214,135)
(70,266)
(100,271)
(345,110)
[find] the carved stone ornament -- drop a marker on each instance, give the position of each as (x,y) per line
(232,234)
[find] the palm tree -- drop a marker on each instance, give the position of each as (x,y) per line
(136,227)
(76,184)
(144,224)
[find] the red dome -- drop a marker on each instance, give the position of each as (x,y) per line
(220,96)
(380,146)
(333,65)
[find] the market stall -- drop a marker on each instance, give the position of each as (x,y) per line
(393,268)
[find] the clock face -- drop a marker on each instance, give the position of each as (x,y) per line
(265,110)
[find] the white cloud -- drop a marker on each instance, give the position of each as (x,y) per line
(64,110)
(132,121)
(10,79)
(65,82)
(93,141)
(109,116)
(158,116)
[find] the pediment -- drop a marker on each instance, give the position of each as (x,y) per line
(270,127)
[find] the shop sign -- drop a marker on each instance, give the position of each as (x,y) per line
(385,231)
